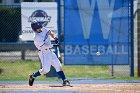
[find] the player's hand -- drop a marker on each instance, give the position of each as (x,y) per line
(56,40)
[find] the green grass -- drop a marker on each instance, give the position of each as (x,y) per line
(19,71)
(86,71)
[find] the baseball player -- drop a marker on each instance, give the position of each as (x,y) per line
(43,44)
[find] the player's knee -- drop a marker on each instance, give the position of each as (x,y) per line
(44,70)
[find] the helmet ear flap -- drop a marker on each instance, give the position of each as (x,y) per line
(36,25)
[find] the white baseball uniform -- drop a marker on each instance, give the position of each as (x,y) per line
(43,43)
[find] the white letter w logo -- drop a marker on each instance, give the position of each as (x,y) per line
(86,14)
(87,11)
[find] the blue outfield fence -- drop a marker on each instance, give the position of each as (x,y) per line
(98,26)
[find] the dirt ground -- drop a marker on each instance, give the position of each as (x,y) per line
(101,88)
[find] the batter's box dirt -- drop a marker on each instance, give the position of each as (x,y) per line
(102,88)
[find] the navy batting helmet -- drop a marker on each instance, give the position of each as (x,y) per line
(35,25)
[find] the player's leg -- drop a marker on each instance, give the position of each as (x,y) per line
(46,64)
(57,65)
(37,73)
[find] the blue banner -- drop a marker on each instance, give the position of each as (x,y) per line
(97,32)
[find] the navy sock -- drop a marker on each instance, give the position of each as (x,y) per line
(36,74)
(61,75)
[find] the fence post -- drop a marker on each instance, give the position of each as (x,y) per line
(138,31)
(132,39)
(23,54)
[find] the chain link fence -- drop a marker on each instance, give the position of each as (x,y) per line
(10,26)
(18,59)
(10,29)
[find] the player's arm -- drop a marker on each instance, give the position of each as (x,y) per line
(53,36)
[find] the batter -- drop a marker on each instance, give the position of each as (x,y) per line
(43,44)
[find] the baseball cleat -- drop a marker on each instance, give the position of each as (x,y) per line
(66,83)
(31,80)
